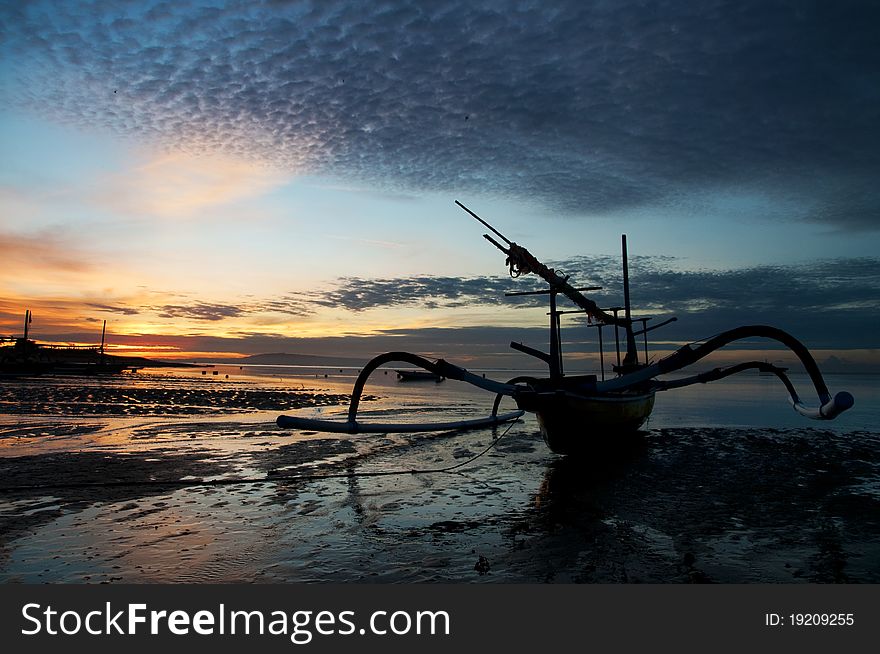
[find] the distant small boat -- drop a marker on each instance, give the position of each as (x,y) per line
(767,370)
(418,375)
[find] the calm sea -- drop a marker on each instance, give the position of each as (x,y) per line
(747,400)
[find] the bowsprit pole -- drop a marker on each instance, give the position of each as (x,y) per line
(485,224)
(521,262)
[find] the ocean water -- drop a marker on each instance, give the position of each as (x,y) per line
(727,483)
(745,400)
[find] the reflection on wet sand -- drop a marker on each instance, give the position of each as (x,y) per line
(687,505)
(672,505)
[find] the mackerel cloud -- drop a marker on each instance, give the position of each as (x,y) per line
(588,107)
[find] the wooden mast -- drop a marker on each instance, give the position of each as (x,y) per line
(555,358)
(632,357)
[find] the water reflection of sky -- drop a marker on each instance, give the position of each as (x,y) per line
(536,516)
(746,400)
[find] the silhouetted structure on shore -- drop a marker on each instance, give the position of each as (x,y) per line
(24,357)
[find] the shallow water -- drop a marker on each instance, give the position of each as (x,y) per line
(726,484)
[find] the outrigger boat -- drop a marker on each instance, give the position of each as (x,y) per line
(575,412)
(418,375)
(24,357)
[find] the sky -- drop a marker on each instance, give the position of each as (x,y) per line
(230,178)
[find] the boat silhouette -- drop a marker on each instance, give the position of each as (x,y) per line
(573,411)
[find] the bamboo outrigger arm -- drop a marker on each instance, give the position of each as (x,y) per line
(439,367)
(829,406)
(644,379)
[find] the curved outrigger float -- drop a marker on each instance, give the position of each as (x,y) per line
(574,410)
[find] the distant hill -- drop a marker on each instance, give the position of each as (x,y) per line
(288,359)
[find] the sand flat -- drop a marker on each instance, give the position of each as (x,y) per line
(123,498)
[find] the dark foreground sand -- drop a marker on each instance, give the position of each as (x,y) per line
(673,505)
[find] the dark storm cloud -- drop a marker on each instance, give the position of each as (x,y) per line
(823,285)
(820,286)
(198,310)
(358,294)
(585,106)
(832,302)
(114,308)
(291,304)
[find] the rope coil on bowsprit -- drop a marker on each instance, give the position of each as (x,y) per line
(515,263)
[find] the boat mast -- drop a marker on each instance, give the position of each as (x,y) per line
(555,341)
(103,332)
(27,319)
(632,357)
(626,305)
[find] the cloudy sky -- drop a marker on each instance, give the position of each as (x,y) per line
(241,177)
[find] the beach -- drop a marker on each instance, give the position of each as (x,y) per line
(183,477)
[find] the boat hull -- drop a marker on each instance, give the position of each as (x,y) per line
(572,423)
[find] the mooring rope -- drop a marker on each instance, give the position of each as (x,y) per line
(273,479)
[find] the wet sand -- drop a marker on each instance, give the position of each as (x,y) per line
(152,394)
(674,505)
(125,486)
